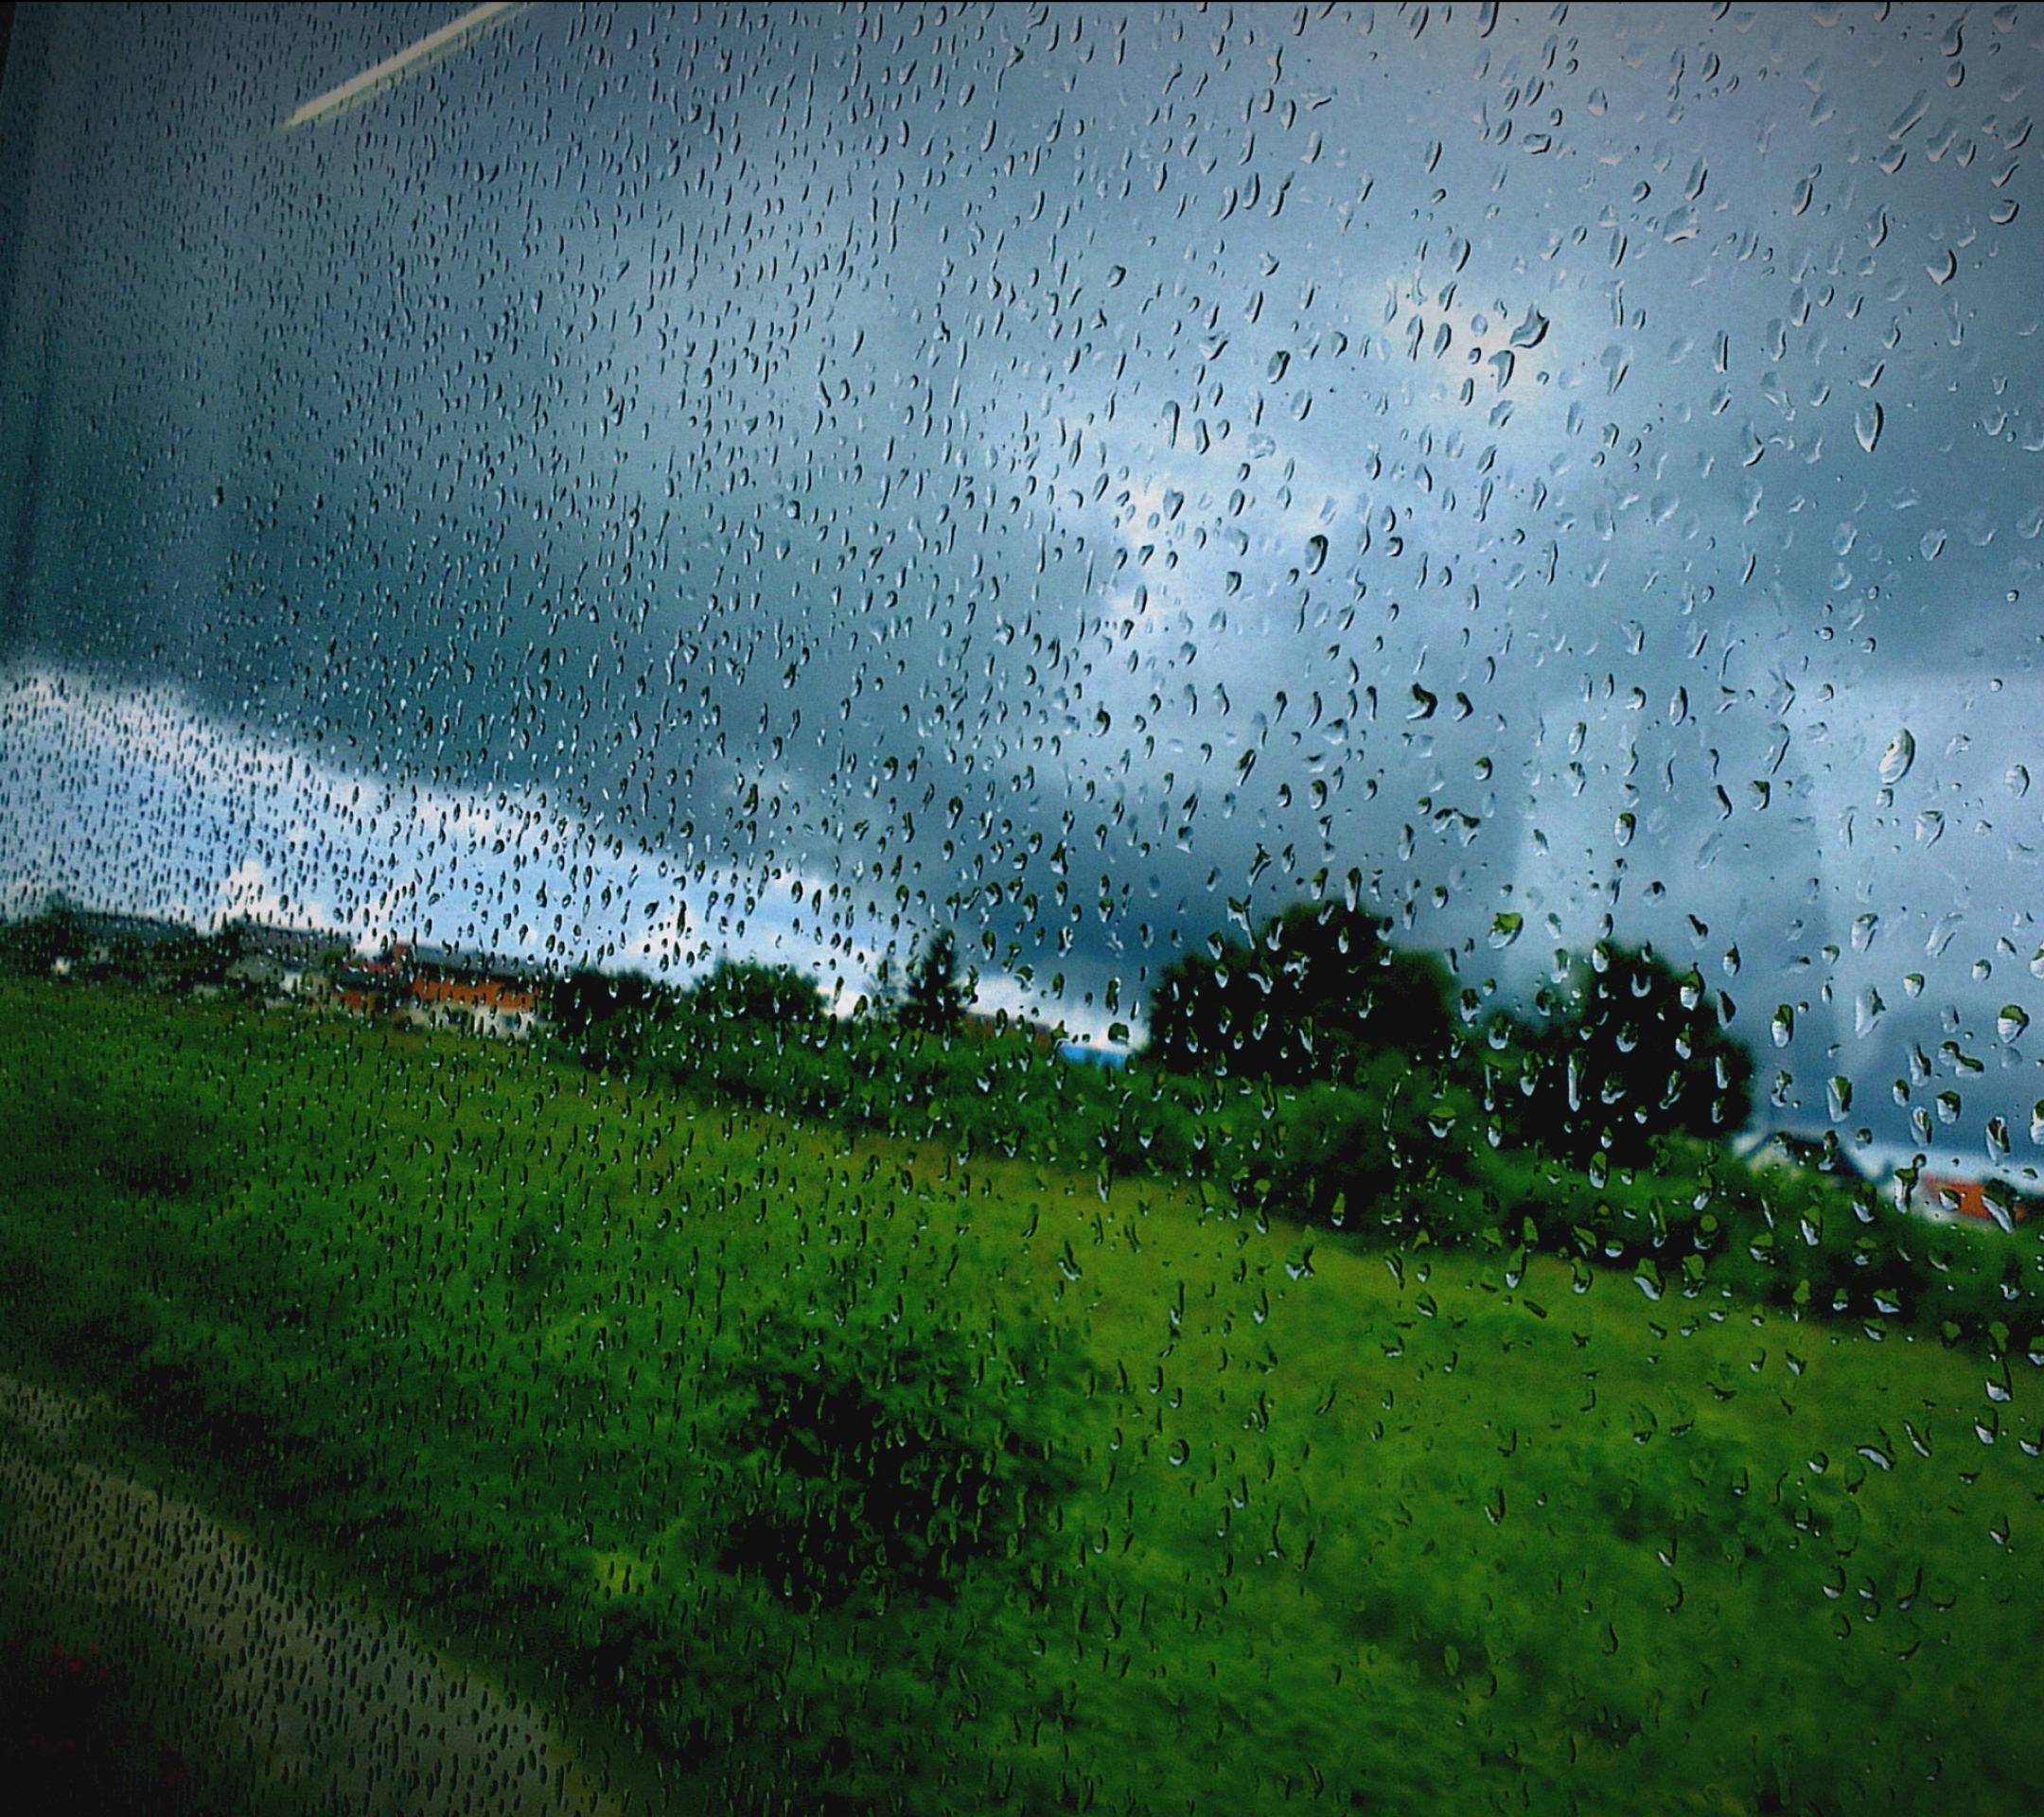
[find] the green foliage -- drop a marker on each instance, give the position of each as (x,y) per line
(34,945)
(854,1475)
(1316,994)
(162,957)
(1373,1158)
(1630,1051)
(587,999)
(1399,1150)
(936,990)
(874,1465)
(745,989)
(605,1018)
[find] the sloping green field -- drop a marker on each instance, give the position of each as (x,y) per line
(859,1474)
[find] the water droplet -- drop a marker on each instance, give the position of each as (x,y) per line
(1783,1026)
(2011,1021)
(1900,754)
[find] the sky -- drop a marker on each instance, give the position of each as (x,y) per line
(651,484)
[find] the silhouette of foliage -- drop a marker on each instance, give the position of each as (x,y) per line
(70,1740)
(935,993)
(747,991)
(1632,1050)
(34,945)
(1315,994)
(876,1463)
(587,998)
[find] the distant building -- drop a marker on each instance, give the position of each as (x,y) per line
(295,948)
(437,988)
(307,986)
(261,974)
(1946,1198)
(500,1008)
(357,991)
(107,930)
(1783,1150)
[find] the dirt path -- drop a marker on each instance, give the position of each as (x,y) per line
(344,1707)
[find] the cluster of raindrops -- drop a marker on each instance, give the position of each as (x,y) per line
(808,671)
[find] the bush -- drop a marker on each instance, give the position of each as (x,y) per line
(877,1465)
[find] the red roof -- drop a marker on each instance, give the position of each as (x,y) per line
(484,993)
(1956,1198)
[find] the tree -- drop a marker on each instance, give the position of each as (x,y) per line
(587,998)
(36,945)
(935,993)
(1316,994)
(745,990)
(883,1002)
(1634,1050)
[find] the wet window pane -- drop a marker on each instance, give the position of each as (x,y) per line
(1044,908)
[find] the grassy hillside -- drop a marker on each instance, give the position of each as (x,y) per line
(851,1472)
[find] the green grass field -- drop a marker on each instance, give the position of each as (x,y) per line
(863,1476)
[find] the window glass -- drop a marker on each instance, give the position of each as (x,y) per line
(1044,908)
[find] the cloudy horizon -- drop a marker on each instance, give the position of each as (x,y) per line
(1086,478)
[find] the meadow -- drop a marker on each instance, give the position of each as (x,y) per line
(849,1470)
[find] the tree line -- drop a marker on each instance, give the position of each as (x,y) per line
(1619,1049)
(928,995)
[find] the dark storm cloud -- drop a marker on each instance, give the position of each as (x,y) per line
(1088,474)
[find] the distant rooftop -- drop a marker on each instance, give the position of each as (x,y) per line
(289,943)
(148,930)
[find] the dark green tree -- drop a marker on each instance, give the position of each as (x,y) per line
(586,998)
(1316,994)
(745,990)
(1632,1050)
(35,945)
(883,998)
(936,990)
